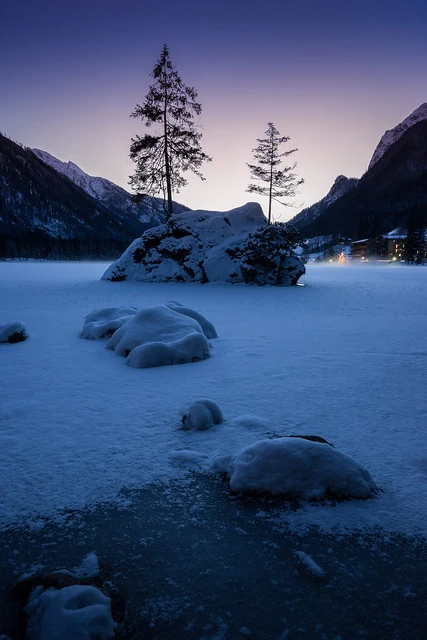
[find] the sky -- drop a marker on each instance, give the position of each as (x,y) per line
(332,76)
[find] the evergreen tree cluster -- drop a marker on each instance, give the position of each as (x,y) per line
(266,258)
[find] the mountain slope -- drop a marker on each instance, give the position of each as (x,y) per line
(341,185)
(43,213)
(386,195)
(392,135)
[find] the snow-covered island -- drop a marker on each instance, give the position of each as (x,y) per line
(235,246)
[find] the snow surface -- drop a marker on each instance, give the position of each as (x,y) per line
(76,613)
(392,135)
(297,468)
(343,358)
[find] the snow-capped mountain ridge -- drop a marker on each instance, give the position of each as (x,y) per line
(96,187)
(150,211)
(392,135)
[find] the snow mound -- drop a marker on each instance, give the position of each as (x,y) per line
(202,415)
(104,322)
(297,468)
(160,336)
(13,332)
(75,613)
(200,246)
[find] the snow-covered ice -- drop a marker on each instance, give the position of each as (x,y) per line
(343,357)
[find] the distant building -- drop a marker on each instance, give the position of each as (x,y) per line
(390,246)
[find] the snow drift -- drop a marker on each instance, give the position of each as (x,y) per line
(297,468)
(204,246)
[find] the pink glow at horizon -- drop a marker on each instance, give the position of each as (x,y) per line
(331,77)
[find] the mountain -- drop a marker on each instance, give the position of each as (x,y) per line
(392,191)
(45,213)
(149,212)
(338,189)
(392,135)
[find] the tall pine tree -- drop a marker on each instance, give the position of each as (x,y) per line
(175,148)
(280,182)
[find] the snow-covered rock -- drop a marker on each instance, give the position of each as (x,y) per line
(160,336)
(13,332)
(104,322)
(202,415)
(199,246)
(392,135)
(298,468)
(76,613)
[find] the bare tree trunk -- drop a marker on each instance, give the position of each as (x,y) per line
(167,164)
(270,195)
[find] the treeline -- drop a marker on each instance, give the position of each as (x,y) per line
(39,245)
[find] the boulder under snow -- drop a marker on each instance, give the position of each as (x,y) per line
(163,335)
(210,246)
(13,332)
(296,468)
(77,612)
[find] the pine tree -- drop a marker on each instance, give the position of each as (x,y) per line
(280,182)
(415,242)
(162,158)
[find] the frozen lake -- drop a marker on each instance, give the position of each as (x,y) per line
(343,357)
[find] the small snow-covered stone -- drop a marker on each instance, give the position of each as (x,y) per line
(104,322)
(202,415)
(13,332)
(89,567)
(297,468)
(75,613)
(309,564)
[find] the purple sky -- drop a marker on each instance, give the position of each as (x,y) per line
(331,75)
